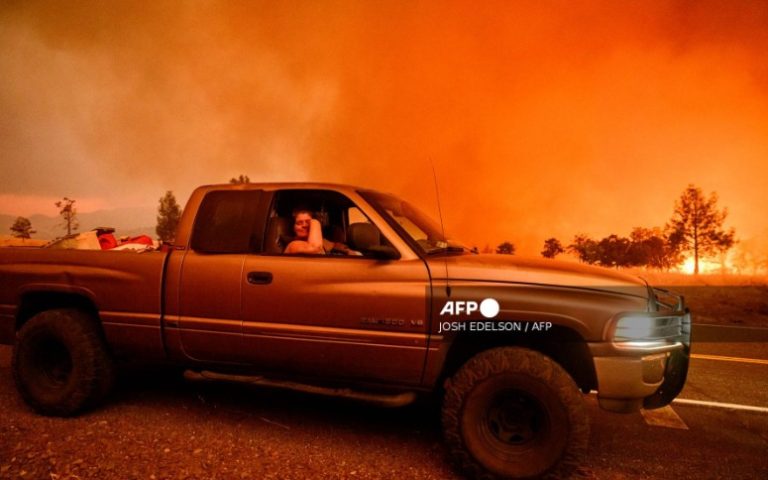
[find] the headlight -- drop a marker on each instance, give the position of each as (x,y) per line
(647,330)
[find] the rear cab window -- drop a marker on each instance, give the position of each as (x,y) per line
(228,222)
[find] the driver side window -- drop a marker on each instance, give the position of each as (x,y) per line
(297,216)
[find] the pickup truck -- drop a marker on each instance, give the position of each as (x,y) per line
(509,345)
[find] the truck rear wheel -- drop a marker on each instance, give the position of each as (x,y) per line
(514,413)
(61,364)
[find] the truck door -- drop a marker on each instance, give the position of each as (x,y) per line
(210,287)
(343,316)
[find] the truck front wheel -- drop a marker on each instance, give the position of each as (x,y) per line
(514,413)
(61,364)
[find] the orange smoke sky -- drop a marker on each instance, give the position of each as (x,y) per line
(542,118)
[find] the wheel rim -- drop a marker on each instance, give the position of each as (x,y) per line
(51,360)
(514,425)
(515,418)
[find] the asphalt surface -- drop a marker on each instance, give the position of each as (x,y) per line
(161,426)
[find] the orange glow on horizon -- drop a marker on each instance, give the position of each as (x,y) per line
(542,119)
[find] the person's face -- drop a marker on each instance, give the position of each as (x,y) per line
(301,224)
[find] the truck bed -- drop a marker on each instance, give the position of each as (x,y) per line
(125,288)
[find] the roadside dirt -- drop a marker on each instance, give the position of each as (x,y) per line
(162,427)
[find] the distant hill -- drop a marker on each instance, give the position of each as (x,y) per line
(129,221)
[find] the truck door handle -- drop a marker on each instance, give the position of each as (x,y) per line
(259,278)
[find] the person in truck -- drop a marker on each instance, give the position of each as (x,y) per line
(309,236)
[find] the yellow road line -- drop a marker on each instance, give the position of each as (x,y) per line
(757,361)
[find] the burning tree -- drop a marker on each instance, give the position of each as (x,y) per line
(696,225)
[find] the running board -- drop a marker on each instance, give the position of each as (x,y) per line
(381,399)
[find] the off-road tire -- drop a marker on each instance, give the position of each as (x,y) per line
(513,413)
(61,363)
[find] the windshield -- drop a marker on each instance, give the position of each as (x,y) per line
(413,224)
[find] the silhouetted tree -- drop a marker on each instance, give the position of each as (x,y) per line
(506,248)
(585,249)
(552,248)
(696,225)
(650,247)
(69,213)
(613,251)
(241,179)
(22,228)
(168,215)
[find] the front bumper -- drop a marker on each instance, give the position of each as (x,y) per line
(649,373)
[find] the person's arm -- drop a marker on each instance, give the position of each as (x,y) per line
(339,248)
(315,239)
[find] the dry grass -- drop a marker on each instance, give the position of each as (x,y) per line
(727,305)
(9,241)
(718,298)
(701,280)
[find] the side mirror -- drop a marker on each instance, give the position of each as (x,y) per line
(382,252)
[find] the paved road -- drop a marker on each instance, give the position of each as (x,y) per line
(164,427)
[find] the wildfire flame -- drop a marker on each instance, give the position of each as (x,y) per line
(705,266)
